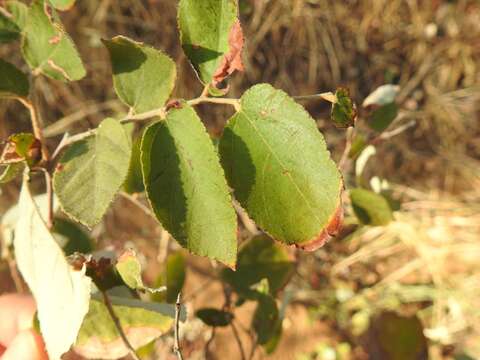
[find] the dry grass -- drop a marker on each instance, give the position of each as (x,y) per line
(430,48)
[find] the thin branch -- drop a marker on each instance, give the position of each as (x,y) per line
(69,140)
(145,116)
(176,345)
(36,126)
(205,91)
(134,200)
(348,145)
(116,321)
(228,101)
(239,342)
(209,342)
(328,96)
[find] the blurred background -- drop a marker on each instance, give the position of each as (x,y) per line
(399,291)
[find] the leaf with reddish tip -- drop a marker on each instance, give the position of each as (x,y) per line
(333,228)
(232,60)
(211,37)
(278,164)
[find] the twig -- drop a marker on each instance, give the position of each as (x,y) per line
(328,96)
(346,151)
(228,101)
(36,127)
(209,341)
(239,342)
(247,222)
(116,321)
(69,140)
(138,204)
(389,134)
(176,345)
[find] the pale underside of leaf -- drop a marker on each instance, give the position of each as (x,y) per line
(141,322)
(61,293)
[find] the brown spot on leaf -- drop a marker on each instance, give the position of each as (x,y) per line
(34,152)
(232,60)
(55,39)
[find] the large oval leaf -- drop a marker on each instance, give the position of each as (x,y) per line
(278,164)
(143,77)
(92,171)
(62,294)
(211,37)
(186,186)
(46,46)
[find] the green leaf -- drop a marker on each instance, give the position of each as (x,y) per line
(260,258)
(71,237)
(359,143)
(61,293)
(214,317)
(370,208)
(396,337)
(211,37)
(186,186)
(134,181)
(62,4)
(46,46)
(277,162)
(265,319)
(173,277)
(344,111)
(12,20)
(143,77)
(14,82)
(21,147)
(141,322)
(130,270)
(10,172)
(382,117)
(92,171)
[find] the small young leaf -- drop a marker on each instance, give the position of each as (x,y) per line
(173,277)
(260,258)
(186,186)
(265,319)
(277,162)
(344,111)
(370,208)
(359,143)
(21,147)
(61,293)
(62,4)
(130,270)
(143,77)
(382,117)
(214,317)
(10,172)
(141,322)
(212,38)
(71,237)
(12,20)
(134,181)
(92,171)
(46,46)
(14,82)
